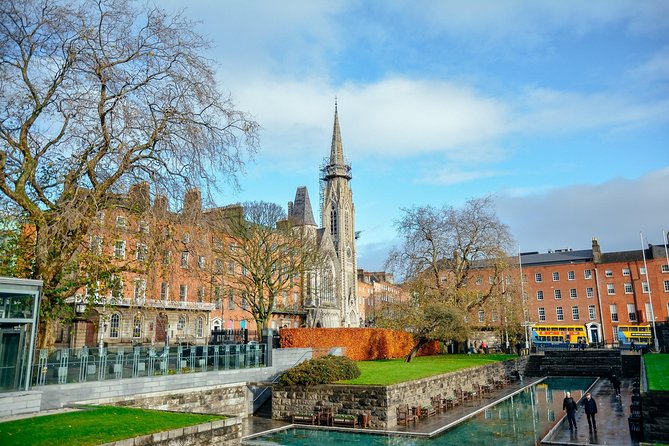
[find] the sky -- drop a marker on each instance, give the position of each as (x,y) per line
(558,109)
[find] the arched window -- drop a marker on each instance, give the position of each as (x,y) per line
(333,220)
(327,286)
(199,327)
(137,326)
(181,324)
(114,325)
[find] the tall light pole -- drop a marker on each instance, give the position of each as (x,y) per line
(650,297)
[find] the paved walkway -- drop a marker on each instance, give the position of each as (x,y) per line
(612,425)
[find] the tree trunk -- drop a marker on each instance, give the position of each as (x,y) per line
(414,350)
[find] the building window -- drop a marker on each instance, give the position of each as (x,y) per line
(218,266)
(591,312)
(614,312)
(137,326)
(666,286)
(141,252)
(96,245)
(186,238)
(628,288)
(199,327)
(626,271)
(665,268)
(116,287)
(218,243)
(183,292)
(540,295)
(245,301)
(642,271)
(231,300)
(184,259)
(121,222)
(649,312)
(574,313)
(537,277)
(542,314)
(608,273)
(590,292)
(181,323)
(143,227)
(164,291)
(610,288)
(140,289)
(100,216)
(559,313)
(479,280)
(244,270)
(493,316)
(572,293)
(200,294)
(231,267)
(571,275)
(114,325)
(631,312)
(217,297)
(587,274)
(481,316)
(167,257)
(556,276)
(119,249)
(644,287)
(557,294)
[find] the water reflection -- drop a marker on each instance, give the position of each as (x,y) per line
(522,419)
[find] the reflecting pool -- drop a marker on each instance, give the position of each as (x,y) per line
(522,419)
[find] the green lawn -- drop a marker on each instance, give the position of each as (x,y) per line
(393,371)
(95,426)
(657,371)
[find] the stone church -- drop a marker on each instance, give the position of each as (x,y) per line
(331,298)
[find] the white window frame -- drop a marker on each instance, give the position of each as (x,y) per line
(140,289)
(185,257)
(587,274)
(121,222)
(575,313)
(613,309)
(542,314)
(645,288)
(557,293)
(610,289)
(559,314)
(141,253)
(538,278)
(540,295)
(631,313)
(592,312)
(571,275)
(183,292)
(626,272)
(590,292)
(573,294)
(556,276)
(481,316)
(165,291)
(629,289)
(608,273)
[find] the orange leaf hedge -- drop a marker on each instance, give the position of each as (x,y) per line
(362,344)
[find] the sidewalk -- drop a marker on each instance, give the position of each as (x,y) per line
(612,425)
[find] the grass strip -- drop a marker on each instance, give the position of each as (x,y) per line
(96,425)
(657,370)
(392,371)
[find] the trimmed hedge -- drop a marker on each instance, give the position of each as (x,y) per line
(324,370)
(362,344)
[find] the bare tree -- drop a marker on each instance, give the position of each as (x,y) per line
(272,254)
(440,249)
(95,96)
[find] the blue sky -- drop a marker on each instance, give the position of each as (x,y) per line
(559,109)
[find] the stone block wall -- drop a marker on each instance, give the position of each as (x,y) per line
(655,416)
(228,399)
(18,403)
(382,401)
(226,432)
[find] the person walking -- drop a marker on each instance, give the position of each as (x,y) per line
(615,382)
(570,406)
(590,407)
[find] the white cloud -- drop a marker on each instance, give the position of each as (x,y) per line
(654,69)
(614,212)
(447,176)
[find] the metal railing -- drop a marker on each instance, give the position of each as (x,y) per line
(63,366)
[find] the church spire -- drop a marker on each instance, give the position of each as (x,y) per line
(336,165)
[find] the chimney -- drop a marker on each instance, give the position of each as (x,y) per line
(192,203)
(160,204)
(139,196)
(290,209)
(596,251)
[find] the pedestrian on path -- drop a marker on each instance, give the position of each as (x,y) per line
(615,382)
(570,406)
(590,410)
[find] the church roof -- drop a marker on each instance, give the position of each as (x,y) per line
(336,150)
(301,212)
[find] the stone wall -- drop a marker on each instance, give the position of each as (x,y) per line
(589,362)
(228,399)
(382,401)
(655,416)
(18,403)
(226,432)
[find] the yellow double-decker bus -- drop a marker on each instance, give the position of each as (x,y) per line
(640,334)
(558,335)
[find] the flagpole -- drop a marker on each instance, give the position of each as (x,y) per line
(650,297)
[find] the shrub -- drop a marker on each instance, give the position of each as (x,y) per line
(325,370)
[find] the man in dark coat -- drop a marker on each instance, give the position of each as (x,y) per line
(570,406)
(590,410)
(615,382)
